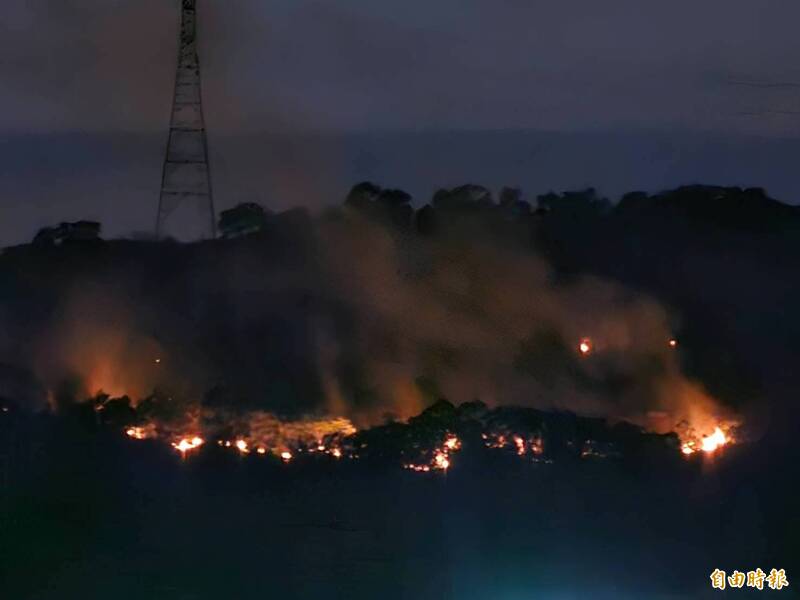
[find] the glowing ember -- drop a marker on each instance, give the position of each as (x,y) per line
(418,468)
(585,347)
(522,446)
(441,457)
(137,433)
(494,440)
(186,444)
(286,456)
(242,447)
(261,450)
(440,461)
(452,443)
(144,432)
(158,360)
(673,343)
(336,453)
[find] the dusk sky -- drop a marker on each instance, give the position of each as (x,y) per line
(303,99)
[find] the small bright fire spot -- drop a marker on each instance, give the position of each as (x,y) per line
(673,343)
(286,456)
(242,446)
(452,443)
(144,432)
(184,445)
(158,360)
(441,461)
(137,433)
(261,450)
(585,347)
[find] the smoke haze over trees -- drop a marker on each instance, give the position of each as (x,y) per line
(375,308)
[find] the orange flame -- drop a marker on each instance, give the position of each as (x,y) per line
(714,441)
(441,456)
(184,445)
(708,444)
(137,433)
(441,461)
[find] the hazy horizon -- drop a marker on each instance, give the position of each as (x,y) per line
(114,178)
(533,94)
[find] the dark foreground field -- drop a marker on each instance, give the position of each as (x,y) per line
(95,515)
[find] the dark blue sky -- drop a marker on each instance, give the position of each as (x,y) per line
(574,93)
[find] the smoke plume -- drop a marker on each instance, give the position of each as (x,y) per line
(348,316)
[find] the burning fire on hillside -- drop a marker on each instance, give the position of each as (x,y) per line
(431,441)
(184,445)
(708,444)
(260,433)
(440,457)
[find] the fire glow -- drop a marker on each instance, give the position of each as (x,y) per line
(141,432)
(266,435)
(438,458)
(184,445)
(136,433)
(522,446)
(533,436)
(441,457)
(708,444)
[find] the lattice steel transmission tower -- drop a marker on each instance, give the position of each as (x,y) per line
(186,177)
